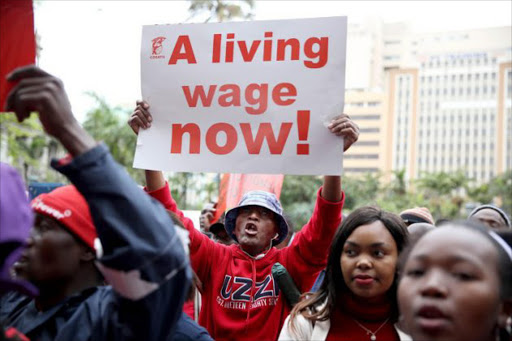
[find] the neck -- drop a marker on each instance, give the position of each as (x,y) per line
(52,293)
(365,309)
(253,252)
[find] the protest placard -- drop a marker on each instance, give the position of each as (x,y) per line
(243,97)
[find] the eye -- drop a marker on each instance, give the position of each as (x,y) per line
(378,253)
(463,276)
(244,210)
(415,272)
(350,252)
(43,227)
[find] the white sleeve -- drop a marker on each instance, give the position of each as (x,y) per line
(303,329)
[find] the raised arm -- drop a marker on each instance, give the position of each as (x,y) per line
(344,127)
(158,188)
(308,252)
(142,256)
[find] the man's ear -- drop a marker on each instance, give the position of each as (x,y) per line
(505,313)
(87,254)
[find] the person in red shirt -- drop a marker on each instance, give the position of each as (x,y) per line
(357,299)
(240,299)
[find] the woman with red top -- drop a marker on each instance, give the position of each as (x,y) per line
(357,299)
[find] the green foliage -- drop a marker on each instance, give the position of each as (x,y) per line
(108,124)
(501,188)
(360,191)
(26,145)
(444,194)
(298,197)
(222,10)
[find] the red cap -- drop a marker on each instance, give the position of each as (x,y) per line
(66,205)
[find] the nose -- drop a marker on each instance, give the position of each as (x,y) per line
(34,234)
(254,214)
(30,240)
(434,285)
(364,263)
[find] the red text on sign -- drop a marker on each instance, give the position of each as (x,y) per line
(256,95)
(182,43)
(253,135)
(314,48)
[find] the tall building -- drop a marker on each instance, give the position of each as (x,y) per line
(449,101)
(371,152)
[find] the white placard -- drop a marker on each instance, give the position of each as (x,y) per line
(243,97)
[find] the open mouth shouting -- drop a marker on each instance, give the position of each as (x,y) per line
(251,230)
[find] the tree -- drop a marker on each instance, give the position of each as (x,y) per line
(108,124)
(298,197)
(501,187)
(361,191)
(29,148)
(221,10)
(443,193)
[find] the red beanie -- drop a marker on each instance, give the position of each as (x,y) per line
(66,205)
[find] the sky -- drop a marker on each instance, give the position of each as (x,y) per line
(94,46)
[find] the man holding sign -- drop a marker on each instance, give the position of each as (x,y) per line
(239,293)
(258,97)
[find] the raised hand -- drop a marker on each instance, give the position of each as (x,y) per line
(343,126)
(140,118)
(43,93)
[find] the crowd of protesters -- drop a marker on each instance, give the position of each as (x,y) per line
(102,259)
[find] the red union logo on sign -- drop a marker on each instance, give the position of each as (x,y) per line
(157,48)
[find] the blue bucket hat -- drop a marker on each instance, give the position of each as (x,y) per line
(262,199)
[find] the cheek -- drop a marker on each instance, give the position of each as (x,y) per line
(347,266)
(478,305)
(387,271)
(59,253)
(405,292)
(238,225)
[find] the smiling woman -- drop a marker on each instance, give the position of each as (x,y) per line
(357,299)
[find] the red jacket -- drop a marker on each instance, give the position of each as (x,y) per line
(240,300)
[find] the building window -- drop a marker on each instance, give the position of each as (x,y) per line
(366,117)
(361,156)
(368,143)
(369,130)
(361,170)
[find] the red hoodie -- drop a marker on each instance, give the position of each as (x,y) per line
(240,300)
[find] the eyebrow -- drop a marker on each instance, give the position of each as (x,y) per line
(378,244)
(451,259)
